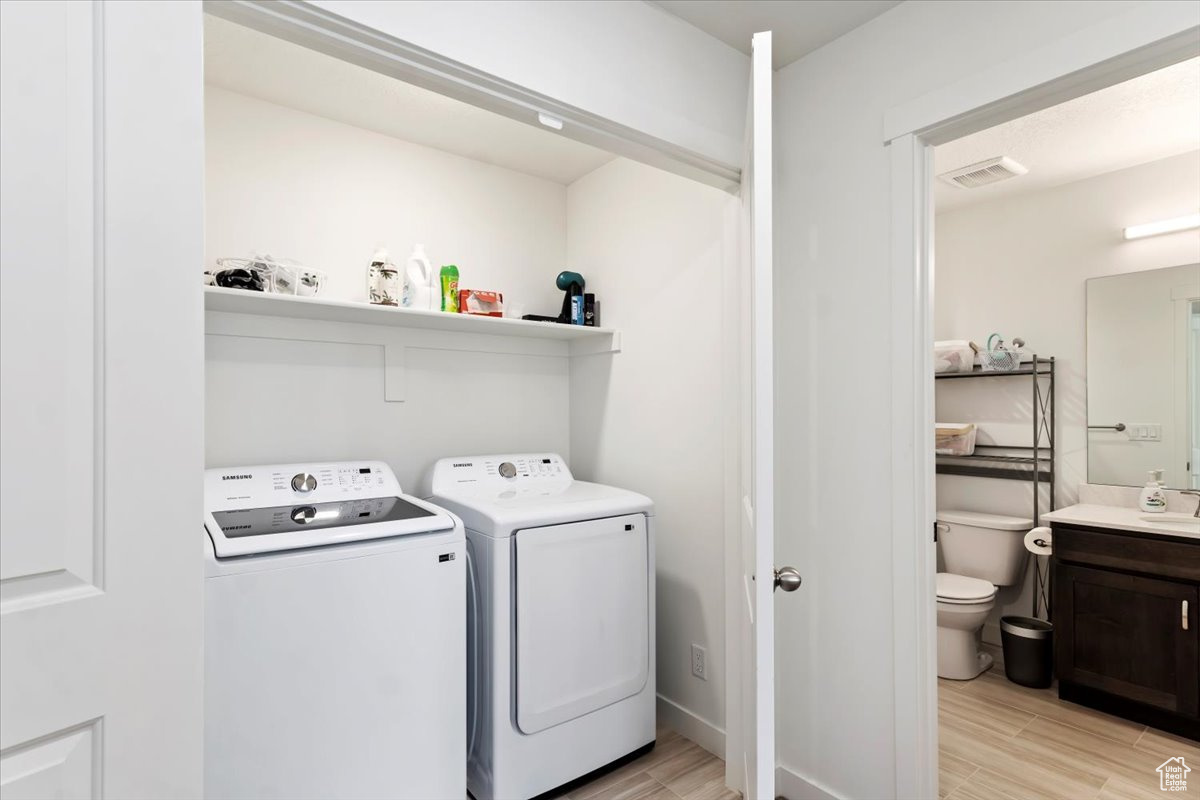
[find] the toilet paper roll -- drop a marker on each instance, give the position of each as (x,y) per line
(1038,541)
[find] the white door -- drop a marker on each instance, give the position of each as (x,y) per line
(101,400)
(756,475)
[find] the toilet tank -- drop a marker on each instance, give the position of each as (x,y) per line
(987,546)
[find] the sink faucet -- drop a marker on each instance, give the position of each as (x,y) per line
(1197,494)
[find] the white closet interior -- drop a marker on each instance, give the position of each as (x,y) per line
(312,158)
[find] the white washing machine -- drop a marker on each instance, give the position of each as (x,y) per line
(561,621)
(335,636)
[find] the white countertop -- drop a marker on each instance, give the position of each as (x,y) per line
(1179,524)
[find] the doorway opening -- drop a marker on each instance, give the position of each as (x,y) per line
(1063,362)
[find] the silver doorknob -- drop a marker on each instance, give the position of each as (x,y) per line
(787,578)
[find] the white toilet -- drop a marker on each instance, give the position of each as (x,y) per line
(981,552)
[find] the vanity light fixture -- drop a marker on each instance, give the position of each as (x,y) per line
(550,122)
(1163,226)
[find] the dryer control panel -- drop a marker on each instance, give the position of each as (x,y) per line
(500,471)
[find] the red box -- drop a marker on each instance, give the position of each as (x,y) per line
(481,304)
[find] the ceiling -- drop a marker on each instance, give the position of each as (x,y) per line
(1148,118)
(799,26)
(256,64)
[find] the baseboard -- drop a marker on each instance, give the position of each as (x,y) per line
(792,786)
(691,726)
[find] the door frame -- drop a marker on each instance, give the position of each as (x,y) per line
(1117,49)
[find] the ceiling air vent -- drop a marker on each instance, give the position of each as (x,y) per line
(992,170)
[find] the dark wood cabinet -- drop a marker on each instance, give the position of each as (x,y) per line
(1126,625)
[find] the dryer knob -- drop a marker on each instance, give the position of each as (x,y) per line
(508,470)
(303,482)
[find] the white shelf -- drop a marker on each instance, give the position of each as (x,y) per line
(583,340)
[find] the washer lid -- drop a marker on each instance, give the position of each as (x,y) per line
(500,513)
(495,495)
(981,520)
(277,507)
(960,587)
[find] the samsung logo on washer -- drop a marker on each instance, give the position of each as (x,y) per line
(236,477)
(463,464)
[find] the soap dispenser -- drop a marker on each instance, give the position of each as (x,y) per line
(1153,498)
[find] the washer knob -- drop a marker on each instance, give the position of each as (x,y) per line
(303,482)
(508,470)
(302,515)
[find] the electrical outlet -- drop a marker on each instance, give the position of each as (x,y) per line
(699,667)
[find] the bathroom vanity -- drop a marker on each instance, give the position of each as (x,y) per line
(1126,586)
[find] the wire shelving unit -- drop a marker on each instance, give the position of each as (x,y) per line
(1034,462)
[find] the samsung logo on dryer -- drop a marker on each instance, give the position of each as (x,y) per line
(236,477)
(462,464)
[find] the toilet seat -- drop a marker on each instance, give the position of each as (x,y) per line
(963,590)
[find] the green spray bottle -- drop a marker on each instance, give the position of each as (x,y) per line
(449,276)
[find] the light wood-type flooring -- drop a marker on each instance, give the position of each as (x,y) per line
(1001,741)
(676,769)
(997,741)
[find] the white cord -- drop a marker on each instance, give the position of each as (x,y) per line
(475,640)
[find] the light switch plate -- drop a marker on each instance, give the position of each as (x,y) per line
(1145,432)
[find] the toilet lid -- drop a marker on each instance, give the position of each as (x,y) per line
(960,587)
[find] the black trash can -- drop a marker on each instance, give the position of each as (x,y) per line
(1028,651)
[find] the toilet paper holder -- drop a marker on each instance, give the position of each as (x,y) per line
(1039,541)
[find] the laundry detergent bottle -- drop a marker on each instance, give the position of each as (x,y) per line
(383,281)
(449,289)
(419,282)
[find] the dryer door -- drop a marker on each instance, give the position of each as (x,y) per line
(583,618)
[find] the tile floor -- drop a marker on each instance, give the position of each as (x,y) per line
(676,769)
(1001,741)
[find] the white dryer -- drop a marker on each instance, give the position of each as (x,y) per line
(561,655)
(335,636)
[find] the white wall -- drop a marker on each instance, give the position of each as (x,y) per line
(836,686)
(1019,265)
(301,186)
(326,193)
(623,60)
(275,394)
(650,418)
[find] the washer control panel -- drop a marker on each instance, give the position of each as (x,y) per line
(279,484)
(486,472)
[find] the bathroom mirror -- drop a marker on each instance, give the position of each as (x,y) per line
(1143,377)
